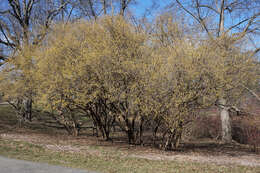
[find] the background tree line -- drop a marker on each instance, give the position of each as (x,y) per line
(147,77)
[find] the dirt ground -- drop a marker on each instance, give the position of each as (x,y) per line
(203,151)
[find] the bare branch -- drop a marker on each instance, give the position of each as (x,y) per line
(12,104)
(29,8)
(247,27)
(252,92)
(198,19)
(251,21)
(7,42)
(232,4)
(93,13)
(236,25)
(49,18)
(209,7)
(54,13)
(68,18)
(16,10)
(255,52)
(124,5)
(104,6)
(4,12)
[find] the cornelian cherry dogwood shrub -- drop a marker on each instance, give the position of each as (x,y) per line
(118,74)
(17,82)
(96,67)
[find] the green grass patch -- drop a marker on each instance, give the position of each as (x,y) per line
(8,117)
(7,113)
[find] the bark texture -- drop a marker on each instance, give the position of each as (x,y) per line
(225,122)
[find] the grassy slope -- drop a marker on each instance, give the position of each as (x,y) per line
(106,161)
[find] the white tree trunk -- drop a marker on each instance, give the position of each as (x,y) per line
(225,122)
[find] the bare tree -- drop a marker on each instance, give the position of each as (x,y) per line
(238,19)
(17,21)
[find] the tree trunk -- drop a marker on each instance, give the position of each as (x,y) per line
(104,7)
(221,18)
(141,131)
(168,144)
(225,122)
(28,109)
(123,7)
(130,136)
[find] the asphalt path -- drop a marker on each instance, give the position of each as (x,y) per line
(20,166)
